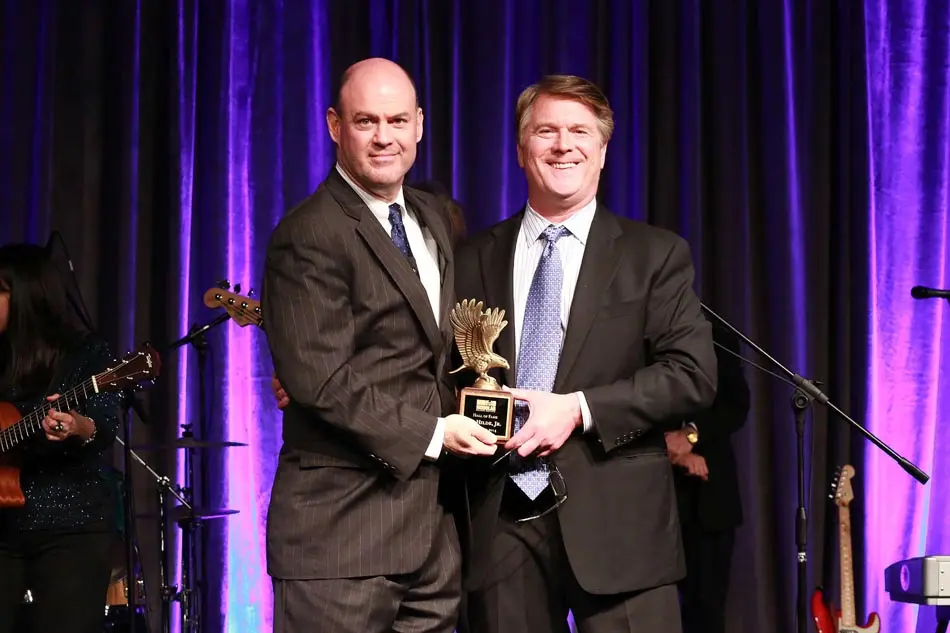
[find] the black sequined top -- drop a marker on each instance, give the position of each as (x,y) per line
(65,484)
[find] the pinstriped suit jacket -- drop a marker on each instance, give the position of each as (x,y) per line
(357,349)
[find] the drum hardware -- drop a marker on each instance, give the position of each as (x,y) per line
(164,487)
(185,442)
(187,515)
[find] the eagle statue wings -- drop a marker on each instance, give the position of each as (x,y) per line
(475,333)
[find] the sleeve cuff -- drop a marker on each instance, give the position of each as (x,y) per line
(435,445)
(585,412)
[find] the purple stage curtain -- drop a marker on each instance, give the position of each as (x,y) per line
(799,145)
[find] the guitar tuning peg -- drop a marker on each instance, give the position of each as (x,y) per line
(250,293)
(237,288)
(223,284)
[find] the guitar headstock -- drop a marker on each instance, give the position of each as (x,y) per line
(842,492)
(242,309)
(133,369)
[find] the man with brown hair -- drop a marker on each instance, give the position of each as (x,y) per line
(607,345)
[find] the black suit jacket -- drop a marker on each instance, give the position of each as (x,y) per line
(641,351)
(716,504)
(357,349)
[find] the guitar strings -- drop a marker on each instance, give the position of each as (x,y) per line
(13,434)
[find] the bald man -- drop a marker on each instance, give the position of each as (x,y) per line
(358,285)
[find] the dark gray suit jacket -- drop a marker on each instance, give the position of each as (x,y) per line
(639,348)
(356,347)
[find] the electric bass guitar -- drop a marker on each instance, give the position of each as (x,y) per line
(845,619)
(15,429)
(243,310)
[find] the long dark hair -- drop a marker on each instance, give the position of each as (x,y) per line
(40,327)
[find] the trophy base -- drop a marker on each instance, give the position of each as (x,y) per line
(492,409)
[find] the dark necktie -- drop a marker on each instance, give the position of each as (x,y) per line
(399,235)
(540,351)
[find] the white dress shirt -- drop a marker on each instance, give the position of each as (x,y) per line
(426,252)
(421,242)
(528,250)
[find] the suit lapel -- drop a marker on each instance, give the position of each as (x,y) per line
(437,225)
(390,259)
(601,257)
(497,264)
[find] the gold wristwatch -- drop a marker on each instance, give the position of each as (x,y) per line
(692,435)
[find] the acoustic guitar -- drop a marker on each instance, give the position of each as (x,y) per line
(15,429)
(845,619)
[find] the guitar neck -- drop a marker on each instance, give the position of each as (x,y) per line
(32,423)
(848,615)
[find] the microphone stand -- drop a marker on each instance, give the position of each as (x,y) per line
(128,403)
(169,592)
(163,486)
(190,576)
(806,392)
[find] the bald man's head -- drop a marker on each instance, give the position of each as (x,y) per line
(376,125)
(368,65)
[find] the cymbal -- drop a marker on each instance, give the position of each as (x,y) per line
(179,513)
(185,443)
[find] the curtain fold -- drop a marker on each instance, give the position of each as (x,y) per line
(908,123)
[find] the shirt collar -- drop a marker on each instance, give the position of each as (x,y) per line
(578,224)
(379,208)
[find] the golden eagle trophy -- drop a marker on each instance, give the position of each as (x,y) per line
(475,333)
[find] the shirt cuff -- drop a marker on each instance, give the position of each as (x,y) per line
(435,445)
(585,412)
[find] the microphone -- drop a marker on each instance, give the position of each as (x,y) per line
(923,292)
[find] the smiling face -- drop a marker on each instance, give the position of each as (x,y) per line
(376,126)
(562,152)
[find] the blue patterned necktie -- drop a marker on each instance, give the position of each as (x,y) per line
(540,351)
(399,235)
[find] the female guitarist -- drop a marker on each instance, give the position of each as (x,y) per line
(56,544)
